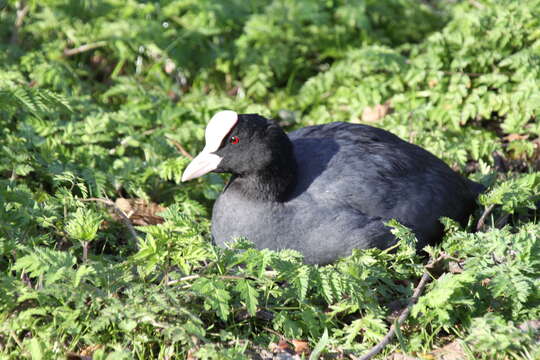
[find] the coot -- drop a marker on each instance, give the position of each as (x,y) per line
(327,189)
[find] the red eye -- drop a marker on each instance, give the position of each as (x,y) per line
(234,140)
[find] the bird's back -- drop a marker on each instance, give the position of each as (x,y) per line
(375,174)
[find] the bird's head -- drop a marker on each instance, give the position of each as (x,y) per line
(239,144)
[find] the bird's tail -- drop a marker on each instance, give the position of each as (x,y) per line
(476,188)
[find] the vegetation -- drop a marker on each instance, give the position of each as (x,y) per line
(106,100)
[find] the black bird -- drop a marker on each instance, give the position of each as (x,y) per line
(327,189)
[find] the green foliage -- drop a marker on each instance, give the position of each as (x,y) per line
(84,225)
(493,336)
(515,195)
(107,100)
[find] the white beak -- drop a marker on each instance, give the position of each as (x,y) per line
(218,127)
(200,165)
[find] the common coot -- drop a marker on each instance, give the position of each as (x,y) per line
(325,190)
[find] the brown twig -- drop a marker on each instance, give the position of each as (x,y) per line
(123,216)
(482,219)
(22,10)
(185,278)
(281,336)
(86,244)
(83,48)
(180,148)
(390,335)
(235,277)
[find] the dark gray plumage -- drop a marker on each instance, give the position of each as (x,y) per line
(325,190)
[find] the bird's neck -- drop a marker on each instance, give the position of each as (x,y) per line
(273,183)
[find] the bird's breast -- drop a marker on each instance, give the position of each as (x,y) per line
(260,222)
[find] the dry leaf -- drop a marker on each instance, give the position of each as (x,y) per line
(376,113)
(85,354)
(514,137)
(89,350)
(530,325)
(75,356)
(301,346)
(452,351)
(282,345)
(400,356)
(190,354)
(139,211)
(455,267)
